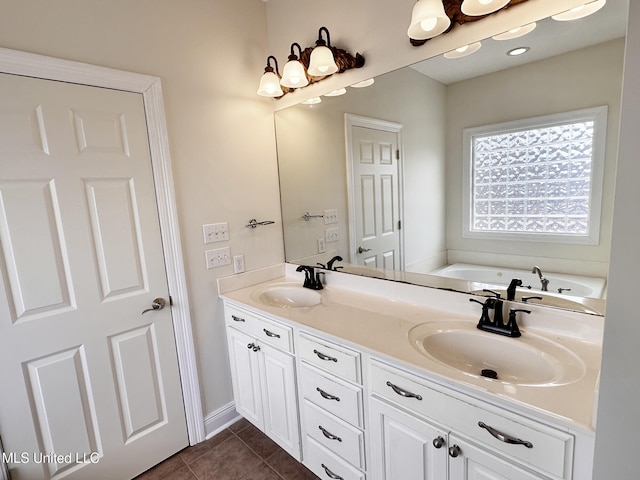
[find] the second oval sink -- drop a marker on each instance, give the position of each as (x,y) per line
(287,295)
(528,360)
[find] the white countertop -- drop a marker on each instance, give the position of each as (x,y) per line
(377,316)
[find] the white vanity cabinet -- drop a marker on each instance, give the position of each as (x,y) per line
(263,375)
(331,404)
(418,432)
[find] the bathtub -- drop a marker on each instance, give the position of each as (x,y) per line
(573,285)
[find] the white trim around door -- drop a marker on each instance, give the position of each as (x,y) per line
(38,66)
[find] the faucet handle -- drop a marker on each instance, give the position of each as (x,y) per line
(512,324)
(496,294)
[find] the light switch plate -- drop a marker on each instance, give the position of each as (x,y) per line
(321,246)
(215,232)
(331,235)
(330,216)
(218,257)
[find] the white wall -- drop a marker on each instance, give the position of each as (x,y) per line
(209,55)
(313,172)
(585,78)
(618,413)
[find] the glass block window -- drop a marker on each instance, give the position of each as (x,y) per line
(539,178)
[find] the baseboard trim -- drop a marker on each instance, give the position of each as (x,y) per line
(220,419)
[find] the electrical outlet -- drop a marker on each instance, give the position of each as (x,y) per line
(238,263)
(330,216)
(321,247)
(218,257)
(331,235)
(215,232)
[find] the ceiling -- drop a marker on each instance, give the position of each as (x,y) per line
(548,39)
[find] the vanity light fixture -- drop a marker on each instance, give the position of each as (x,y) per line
(477,8)
(270,80)
(428,19)
(294,74)
(364,83)
(580,11)
(514,52)
(321,62)
(463,51)
(515,32)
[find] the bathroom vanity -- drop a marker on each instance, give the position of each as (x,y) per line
(371,379)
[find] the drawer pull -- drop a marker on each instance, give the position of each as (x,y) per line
(270,334)
(326,395)
(237,319)
(503,437)
(322,356)
(330,474)
(403,393)
(328,434)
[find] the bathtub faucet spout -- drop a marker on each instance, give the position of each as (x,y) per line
(544,281)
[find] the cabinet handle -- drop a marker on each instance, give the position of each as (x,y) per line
(454,451)
(237,319)
(322,356)
(329,435)
(270,334)
(503,437)
(403,393)
(330,474)
(438,442)
(251,345)
(327,395)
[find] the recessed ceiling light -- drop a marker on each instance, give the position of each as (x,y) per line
(514,52)
(364,83)
(515,32)
(463,51)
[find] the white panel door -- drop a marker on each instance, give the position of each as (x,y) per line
(404,447)
(473,463)
(90,386)
(376,197)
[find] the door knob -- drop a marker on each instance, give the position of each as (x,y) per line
(157,304)
(362,250)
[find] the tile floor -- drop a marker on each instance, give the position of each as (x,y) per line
(241,452)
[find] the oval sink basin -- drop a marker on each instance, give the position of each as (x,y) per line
(528,360)
(287,295)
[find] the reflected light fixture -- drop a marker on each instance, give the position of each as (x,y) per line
(364,83)
(312,101)
(515,32)
(514,52)
(293,74)
(428,19)
(336,93)
(580,11)
(476,8)
(270,80)
(321,62)
(463,51)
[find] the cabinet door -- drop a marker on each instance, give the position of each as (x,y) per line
(404,447)
(474,463)
(245,376)
(280,404)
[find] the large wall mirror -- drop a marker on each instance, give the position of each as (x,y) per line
(404,221)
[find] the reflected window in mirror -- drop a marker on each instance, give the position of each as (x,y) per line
(536,179)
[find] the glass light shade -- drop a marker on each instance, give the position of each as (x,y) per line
(580,12)
(336,93)
(428,19)
(293,75)
(463,51)
(516,32)
(322,62)
(475,8)
(364,83)
(312,101)
(270,85)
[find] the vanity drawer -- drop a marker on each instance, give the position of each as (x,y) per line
(551,450)
(337,397)
(334,434)
(262,329)
(328,356)
(326,464)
